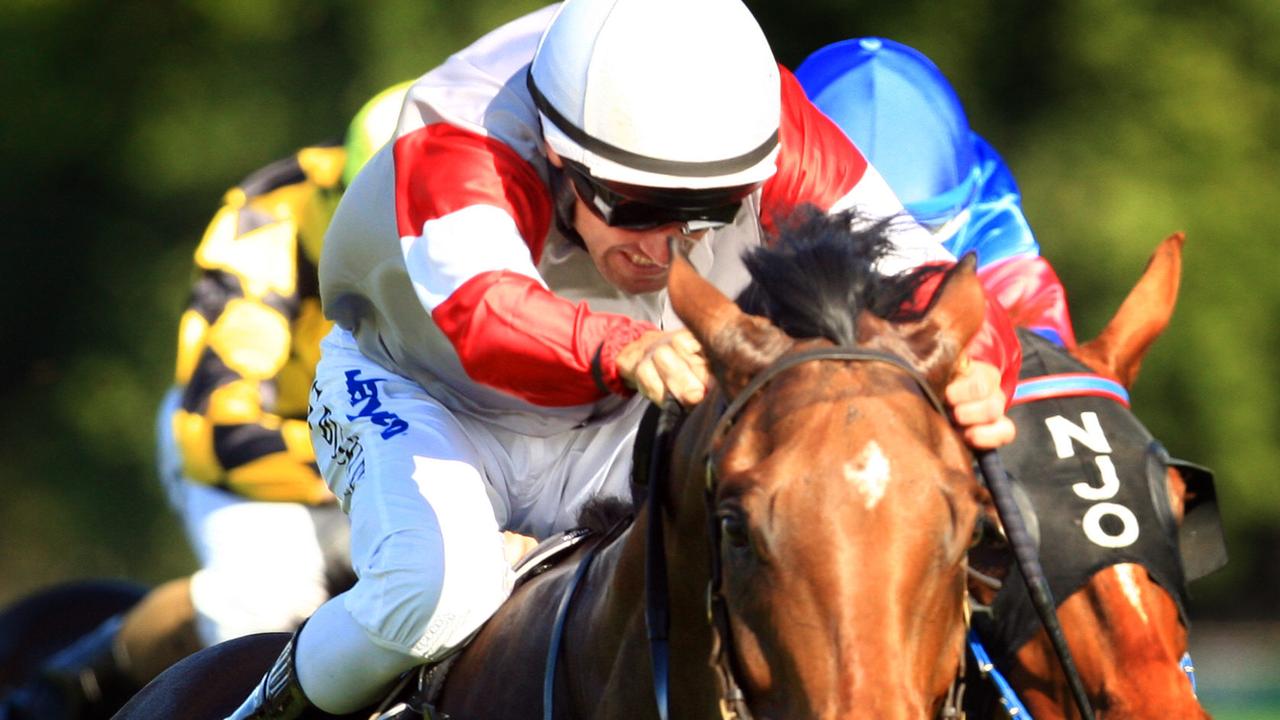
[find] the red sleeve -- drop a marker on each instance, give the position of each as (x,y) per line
(508,330)
(817,163)
(513,334)
(441,169)
(1029,290)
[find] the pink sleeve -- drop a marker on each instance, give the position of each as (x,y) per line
(1028,288)
(996,343)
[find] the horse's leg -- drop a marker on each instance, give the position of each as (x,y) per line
(159,631)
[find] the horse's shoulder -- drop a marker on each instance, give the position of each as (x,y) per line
(544,578)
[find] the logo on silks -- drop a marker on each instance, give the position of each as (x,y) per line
(364,395)
(1095,490)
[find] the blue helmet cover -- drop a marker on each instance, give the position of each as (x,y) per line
(904,116)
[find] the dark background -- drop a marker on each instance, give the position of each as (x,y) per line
(125,121)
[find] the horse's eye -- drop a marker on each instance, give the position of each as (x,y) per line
(733,527)
(979,532)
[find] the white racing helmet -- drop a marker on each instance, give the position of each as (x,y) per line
(664,104)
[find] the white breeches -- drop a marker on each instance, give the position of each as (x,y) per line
(429,492)
(264,566)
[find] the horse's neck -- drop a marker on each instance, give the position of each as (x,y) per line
(607,646)
(609,635)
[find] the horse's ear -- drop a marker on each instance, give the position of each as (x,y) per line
(1118,350)
(737,345)
(934,341)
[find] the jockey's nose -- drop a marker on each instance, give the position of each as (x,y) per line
(656,247)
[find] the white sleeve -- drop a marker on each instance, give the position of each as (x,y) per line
(913,245)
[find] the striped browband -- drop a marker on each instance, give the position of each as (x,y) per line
(1069,385)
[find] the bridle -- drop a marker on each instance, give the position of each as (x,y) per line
(732,703)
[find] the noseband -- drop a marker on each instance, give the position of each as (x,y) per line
(733,705)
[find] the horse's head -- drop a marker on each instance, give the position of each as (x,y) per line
(1115,501)
(843,500)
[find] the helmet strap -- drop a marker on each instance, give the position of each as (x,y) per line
(565,198)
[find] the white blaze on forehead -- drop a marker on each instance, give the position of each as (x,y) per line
(869,473)
(1125,573)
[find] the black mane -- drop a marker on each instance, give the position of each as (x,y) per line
(818,273)
(601,514)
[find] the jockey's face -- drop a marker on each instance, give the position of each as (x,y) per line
(634,261)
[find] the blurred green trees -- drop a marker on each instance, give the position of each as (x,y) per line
(124,122)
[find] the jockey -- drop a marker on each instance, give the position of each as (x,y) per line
(901,112)
(234,450)
(497,280)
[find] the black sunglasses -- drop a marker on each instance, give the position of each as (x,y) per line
(634,207)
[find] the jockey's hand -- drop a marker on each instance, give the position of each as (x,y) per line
(661,363)
(515,546)
(977,405)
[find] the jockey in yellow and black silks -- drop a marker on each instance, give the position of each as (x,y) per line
(234,450)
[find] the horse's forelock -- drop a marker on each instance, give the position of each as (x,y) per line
(818,274)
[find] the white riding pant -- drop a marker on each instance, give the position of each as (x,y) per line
(264,566)
(429,492)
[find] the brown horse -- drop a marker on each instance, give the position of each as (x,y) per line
(1120,575)
(819,501)
(844,501)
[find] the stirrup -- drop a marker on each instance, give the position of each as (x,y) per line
(279,695)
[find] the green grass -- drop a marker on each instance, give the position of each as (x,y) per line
(1248,704)
(1254,714)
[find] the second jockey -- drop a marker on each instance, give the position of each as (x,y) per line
(902,113)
